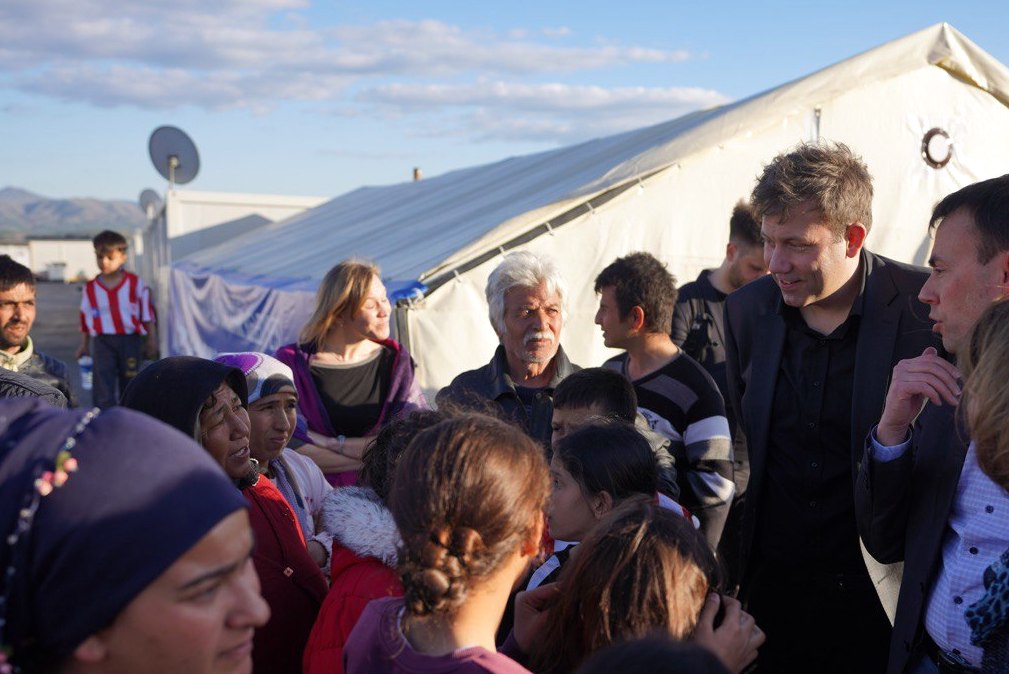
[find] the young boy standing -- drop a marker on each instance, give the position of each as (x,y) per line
(116,321)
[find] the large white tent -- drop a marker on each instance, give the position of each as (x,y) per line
(667,189)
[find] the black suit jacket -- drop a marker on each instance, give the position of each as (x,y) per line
(902,508)
(894,326)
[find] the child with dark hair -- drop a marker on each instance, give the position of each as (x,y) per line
(468,498)
(598,393)
(592,471)
(642,569)
(117,321)
(363,560)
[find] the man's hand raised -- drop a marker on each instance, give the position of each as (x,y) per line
(915,380)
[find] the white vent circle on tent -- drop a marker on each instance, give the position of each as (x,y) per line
(936,148)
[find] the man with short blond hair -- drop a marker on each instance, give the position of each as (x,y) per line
(809,349)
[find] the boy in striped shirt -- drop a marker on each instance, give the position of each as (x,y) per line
(116,321)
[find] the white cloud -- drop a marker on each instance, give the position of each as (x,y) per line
(259,54)
(553,96)
(557,31)
(541,112)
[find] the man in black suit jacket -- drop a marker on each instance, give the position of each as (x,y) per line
(809,350)
(923,502)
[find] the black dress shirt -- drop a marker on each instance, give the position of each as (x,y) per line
(807,512)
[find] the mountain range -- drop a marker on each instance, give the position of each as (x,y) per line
(24,214)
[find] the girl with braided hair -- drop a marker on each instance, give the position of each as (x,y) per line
(468,498)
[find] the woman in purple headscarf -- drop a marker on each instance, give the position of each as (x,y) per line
(123,548)
(351,377)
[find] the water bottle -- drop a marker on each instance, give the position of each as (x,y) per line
(86,365)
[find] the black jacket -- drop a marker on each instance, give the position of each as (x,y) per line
(51,371)
(894,326)
(491,386)
(20,385)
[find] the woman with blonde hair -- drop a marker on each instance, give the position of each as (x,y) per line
(351,377)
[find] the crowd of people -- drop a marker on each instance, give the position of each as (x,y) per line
(798,463)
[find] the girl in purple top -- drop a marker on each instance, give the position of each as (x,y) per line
(468,498)
(351,378)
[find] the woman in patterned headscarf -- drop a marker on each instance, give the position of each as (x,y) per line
(124,548)
(209,401)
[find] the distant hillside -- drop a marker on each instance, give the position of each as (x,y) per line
(23,214)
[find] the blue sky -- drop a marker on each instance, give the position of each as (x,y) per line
(317,98)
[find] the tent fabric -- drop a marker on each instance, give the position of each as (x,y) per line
(667,188)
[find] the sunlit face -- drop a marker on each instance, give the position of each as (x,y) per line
(746,263)
(110,260)
(272,419)
(224,431)
(197,617)
(371,321)
(616,330)
(960,288)
(566,421)
(808,261)
(570,513)
(532,324)
(17,314)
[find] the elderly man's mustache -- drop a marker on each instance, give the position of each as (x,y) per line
(531,336)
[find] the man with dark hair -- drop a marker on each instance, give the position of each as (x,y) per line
(17,314)
(678,397)
(808,353)
(921,496)
(698,329)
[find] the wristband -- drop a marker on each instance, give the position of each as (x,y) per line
(341,442)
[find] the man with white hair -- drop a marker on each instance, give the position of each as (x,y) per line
(525,294)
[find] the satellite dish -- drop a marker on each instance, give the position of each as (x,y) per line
(174,155)
(150,203)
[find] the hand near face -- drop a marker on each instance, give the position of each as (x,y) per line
(916,380)
(532,608)
(735,641)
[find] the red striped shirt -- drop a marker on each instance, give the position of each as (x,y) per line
(121,310)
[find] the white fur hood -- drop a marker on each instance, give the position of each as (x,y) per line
(359,521)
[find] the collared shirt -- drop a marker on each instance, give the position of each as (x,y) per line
(806,517)
(13,361)
(977,533)
(472,389)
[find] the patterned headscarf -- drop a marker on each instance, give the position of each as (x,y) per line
(264,375)
(93,508)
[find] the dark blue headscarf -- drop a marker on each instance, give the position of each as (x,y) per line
(138,494)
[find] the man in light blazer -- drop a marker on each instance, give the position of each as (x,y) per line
(809,351)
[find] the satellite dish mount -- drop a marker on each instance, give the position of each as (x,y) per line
(174,155)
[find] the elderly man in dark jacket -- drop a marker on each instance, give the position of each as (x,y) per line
(525,294)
